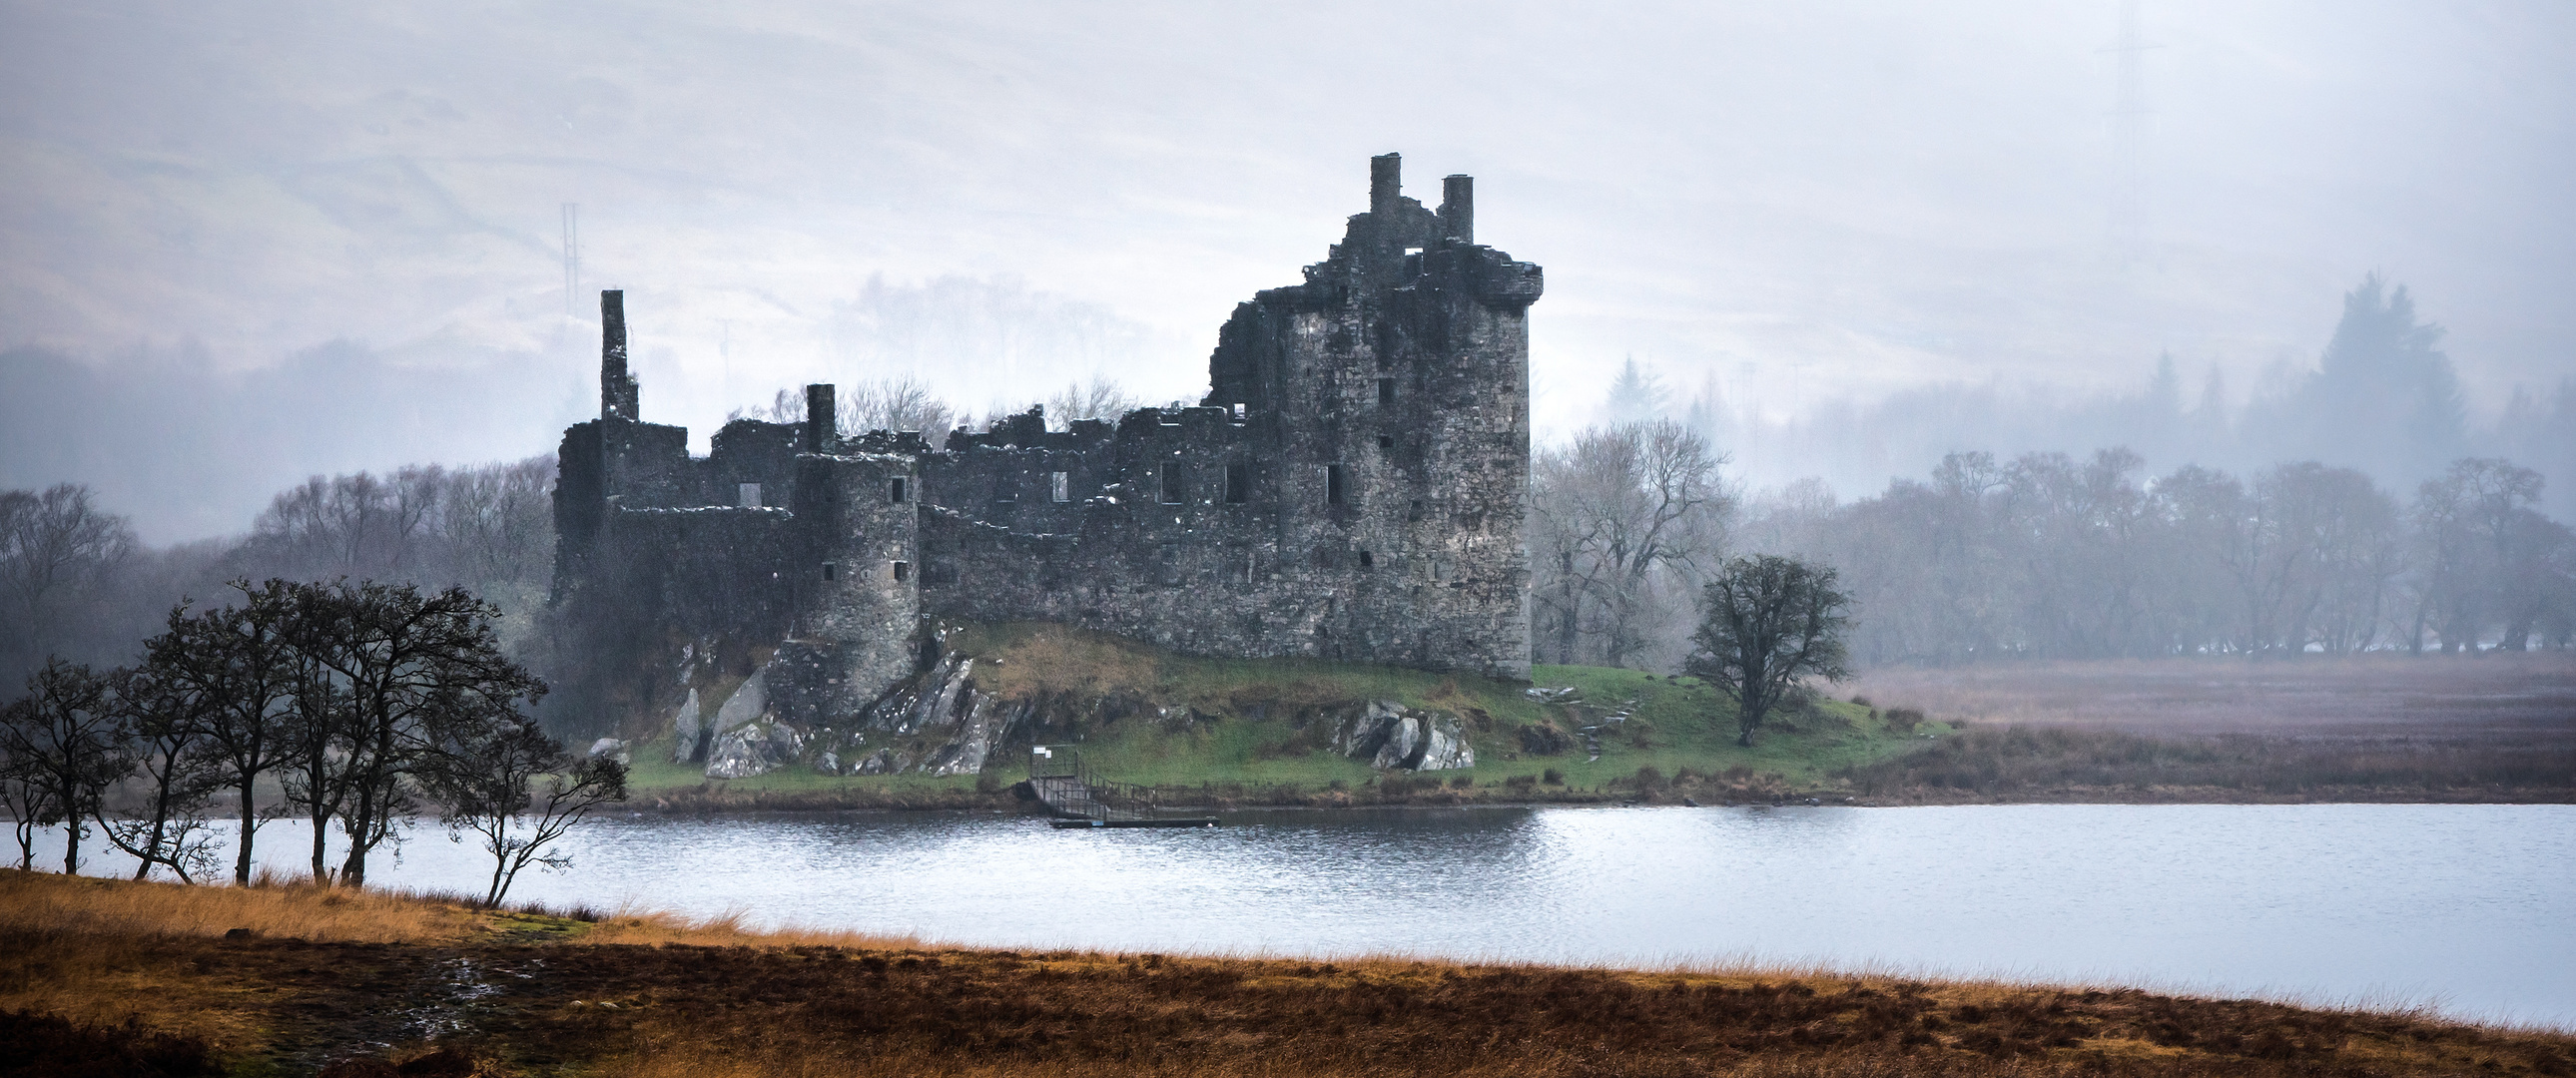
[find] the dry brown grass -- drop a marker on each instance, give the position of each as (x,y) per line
(646,996)
(2490,728)
(35,902)
(2520,694)
(1052,661)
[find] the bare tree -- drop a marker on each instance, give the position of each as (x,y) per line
(1623,519)
(1769,623)
(239,664)
(482,776)
(63,734)
(163,744)
(58,550)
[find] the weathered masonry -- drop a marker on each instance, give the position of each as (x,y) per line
(1353,486)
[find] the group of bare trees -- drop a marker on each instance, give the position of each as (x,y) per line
(489,528)
(75,582)
(2045,555)
(1626,525)
(907,404)
(896,404)
(359,704)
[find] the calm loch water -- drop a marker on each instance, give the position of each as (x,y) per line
(2469,907)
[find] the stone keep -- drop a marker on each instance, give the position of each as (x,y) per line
(1354,486)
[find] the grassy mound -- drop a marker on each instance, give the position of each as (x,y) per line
(1258,732)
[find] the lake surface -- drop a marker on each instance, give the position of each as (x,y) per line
(2470,907)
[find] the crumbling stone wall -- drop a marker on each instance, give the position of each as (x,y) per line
(1354,486)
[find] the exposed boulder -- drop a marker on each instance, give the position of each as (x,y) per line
(612,748)
(688,735)
(753,748)
(1394,737)
(747,703)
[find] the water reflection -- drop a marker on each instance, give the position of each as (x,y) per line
(2469,905)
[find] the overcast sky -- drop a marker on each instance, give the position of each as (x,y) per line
(1801,201)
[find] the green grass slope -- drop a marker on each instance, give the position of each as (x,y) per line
(1258,732)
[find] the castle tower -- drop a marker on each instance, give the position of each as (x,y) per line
(1391,393)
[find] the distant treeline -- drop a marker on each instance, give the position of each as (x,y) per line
(2046,556)
(75,583)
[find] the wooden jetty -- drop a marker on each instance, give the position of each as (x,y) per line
(1077,799)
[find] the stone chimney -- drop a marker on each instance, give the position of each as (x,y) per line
(1458,208)
(1386,185)
(822,424)
(618,393)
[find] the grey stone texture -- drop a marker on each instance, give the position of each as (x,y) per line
(1354,486)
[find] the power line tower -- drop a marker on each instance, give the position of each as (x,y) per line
(2128,137)
(571,255)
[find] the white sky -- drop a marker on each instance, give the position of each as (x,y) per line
(1803,201)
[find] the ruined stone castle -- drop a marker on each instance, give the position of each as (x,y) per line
(1353,486)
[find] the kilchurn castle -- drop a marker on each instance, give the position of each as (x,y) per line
(1354,486)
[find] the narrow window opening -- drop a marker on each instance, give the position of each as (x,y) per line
(829,570)
(1333,492)
(1386,441)
(1386,391)
(747,495)
(1169,571)
(902,571)
(1060,486)
(1238,411)
(1367,559)
(1171,483)
(1238,483)
(895,490)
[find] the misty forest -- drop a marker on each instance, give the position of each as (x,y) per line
(2413,540)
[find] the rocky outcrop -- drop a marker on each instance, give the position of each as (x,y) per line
(753,748)
(934,723)
(612,748)
(1394,737)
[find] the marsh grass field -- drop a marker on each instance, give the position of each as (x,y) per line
(111,977)
(2494,727)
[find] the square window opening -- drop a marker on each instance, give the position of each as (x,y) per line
(1060,486)
(1386,441)
(747,495)
(1238,411)
(1386,391)
(1238,483)
(1335,491)
(830,570)
(902,571)
(1367,559)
